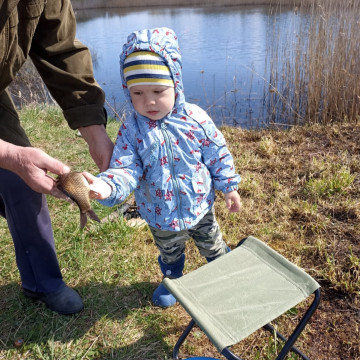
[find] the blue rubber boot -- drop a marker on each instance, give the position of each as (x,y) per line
(161,296)
(214,258)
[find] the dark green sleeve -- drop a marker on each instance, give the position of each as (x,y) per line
(65,65)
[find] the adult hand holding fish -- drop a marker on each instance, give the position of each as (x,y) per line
(32,165)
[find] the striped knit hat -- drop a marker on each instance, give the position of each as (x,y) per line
(146,68)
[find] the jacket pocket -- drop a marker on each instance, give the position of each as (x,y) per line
(33,9)
(150,155)
(29,16)
(8,48)
(201,181)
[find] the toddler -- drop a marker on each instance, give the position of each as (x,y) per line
(171,154)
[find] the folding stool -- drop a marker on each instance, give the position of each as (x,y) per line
(240,292)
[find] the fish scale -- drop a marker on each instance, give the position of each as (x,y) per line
(75,186)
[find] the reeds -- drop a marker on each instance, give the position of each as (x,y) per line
(316,78)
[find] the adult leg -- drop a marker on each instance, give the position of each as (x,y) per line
(29,223)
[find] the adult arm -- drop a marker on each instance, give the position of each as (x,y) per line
(65,65)
(100,145)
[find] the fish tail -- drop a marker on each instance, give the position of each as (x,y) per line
(83,220)
(92,215)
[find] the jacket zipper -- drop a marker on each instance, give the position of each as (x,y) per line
(173,177)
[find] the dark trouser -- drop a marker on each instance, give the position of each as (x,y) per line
(27,216)
(206,234)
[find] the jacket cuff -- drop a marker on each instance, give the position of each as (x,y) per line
(230,189)
(111,200)
(85,116)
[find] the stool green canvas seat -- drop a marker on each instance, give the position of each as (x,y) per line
(242,291)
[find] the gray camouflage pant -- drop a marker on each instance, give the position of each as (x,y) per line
(206,234)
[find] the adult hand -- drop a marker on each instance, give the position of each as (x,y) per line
(100,145)
(233,201)
(32,165)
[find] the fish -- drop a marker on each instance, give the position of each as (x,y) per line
(75,186)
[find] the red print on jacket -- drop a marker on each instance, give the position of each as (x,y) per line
(174,224)
(152,124)
(190,135)
(169,194)
(163,161)
(205,142)
(158,193)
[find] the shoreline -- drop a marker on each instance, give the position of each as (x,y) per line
(107,4)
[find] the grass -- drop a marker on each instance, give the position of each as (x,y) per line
(300,193)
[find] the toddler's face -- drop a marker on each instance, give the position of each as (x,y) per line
(153,101)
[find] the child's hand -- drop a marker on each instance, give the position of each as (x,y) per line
(99,189)
(233,202)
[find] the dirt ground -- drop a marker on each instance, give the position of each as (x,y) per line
(321,231)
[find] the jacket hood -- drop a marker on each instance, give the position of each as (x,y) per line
(162,41)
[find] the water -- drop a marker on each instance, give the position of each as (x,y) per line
(224,52)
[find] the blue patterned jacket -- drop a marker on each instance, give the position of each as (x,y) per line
(173,165)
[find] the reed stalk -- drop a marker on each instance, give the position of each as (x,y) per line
(318,81)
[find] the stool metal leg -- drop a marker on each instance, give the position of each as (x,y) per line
(182,339)
(300,327)
(288,342)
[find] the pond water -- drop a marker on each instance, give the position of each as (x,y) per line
(224,50)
